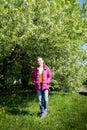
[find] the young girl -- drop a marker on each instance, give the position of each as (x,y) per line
(41,78)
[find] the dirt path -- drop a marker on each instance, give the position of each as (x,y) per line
(83,91)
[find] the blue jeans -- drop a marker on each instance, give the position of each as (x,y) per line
(43,99)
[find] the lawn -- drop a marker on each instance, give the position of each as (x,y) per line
(66,111)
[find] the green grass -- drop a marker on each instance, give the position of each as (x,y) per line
(66,111)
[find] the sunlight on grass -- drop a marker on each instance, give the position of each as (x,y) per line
(66,111)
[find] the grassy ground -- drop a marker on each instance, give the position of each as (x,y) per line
(66,111)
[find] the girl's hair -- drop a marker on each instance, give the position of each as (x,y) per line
(40,58)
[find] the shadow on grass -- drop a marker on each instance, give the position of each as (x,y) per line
(16,111)
(14,101)
(83,93)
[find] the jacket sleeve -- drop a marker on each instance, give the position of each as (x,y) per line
(49,76)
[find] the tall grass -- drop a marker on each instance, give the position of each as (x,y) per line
(66,111)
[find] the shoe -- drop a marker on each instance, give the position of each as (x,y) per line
(42,115)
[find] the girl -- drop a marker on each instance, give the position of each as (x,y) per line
(41,78)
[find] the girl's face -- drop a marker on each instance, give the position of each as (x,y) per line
(40,61)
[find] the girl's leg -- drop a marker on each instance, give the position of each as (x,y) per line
(45,96)
(39,92)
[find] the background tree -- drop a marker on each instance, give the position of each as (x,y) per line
(52,29)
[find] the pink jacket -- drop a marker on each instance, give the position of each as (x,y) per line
(46,78)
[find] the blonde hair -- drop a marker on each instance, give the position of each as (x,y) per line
(40,58)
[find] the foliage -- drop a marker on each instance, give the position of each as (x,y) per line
(53,29)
